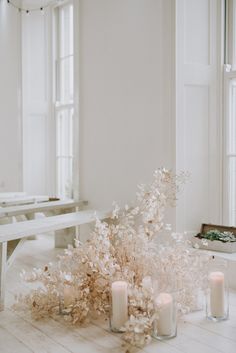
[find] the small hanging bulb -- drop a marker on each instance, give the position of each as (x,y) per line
(42,10)
(8,1)
(27,12)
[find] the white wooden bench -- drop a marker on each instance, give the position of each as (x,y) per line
(12,194)
(22,200)
(27,212)
(22,230)
(44,207)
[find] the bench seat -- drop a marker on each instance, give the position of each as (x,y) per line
(4,195)
(24,229)
(12,211)
(21,230)
(22,200)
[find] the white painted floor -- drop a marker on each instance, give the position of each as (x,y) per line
(19,334)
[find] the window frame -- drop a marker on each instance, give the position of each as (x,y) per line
(57,104)
(229,75)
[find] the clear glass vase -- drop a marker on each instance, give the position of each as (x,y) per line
(165,306)
(67,299)
(118,305)
(217,293)
(198,264)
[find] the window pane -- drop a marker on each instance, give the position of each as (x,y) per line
(64,172)
(65,132)
(232,118)
(65,98)
(66,82)
(232,191)
(64,152)
(231,33)
(66,30)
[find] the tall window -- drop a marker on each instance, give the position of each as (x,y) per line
(230,113)
(64,98)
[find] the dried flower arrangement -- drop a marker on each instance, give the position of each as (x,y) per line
(124,246)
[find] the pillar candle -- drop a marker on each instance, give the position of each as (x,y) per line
(119,304)
(217,293)
(164,304)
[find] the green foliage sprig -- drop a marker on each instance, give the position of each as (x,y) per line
(215,234)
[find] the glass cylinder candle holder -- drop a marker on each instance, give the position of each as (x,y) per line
(217,294)
(67,299)
(118,305)
(165,306)
(199,262)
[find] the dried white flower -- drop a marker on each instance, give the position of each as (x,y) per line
(204,242)
(168,227)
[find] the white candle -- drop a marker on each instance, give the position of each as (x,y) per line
(164,305)
(217,293)
(119,291)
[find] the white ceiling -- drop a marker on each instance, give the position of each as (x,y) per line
(31,4)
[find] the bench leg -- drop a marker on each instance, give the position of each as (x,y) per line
(65,237)
(27,217)
(3,269)
(6,220)
(31,216)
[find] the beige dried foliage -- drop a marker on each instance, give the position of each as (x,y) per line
(125,247)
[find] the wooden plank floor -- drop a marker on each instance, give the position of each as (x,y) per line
(20,334)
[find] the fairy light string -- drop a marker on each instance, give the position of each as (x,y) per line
(27,10)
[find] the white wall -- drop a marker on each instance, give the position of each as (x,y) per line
(135,57)
(198,107)
(126,116)
(127,122)
(126,96)
(10,99)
